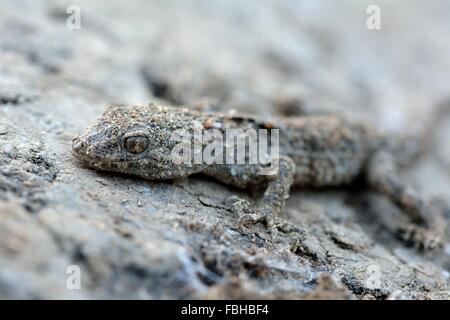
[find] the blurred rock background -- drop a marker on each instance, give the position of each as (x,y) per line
(138,239)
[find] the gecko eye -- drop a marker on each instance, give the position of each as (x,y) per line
(136,144)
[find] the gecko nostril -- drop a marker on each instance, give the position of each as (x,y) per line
(77,145)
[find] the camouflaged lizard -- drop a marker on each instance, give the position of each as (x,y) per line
(315,151)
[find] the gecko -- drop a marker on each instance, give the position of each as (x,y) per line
(314,151)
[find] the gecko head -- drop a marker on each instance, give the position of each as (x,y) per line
(128,139)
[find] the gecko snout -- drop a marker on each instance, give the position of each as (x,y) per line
(77,145)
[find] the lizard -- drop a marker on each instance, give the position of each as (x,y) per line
(314,151)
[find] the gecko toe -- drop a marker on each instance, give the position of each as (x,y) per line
(421,238)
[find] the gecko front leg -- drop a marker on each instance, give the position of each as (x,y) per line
(275,195)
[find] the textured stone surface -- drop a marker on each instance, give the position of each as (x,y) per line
(138,239)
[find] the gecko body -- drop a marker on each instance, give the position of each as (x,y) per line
(314,151)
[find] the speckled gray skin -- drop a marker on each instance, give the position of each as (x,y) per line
(315,151)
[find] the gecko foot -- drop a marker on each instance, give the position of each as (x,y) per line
(249,217)
(282,225)
(273,224)
(247,221)
(239,206)
(421,238)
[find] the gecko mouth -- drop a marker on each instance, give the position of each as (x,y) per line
(109,165)
(79,150)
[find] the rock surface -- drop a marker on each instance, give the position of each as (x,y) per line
(132,238)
